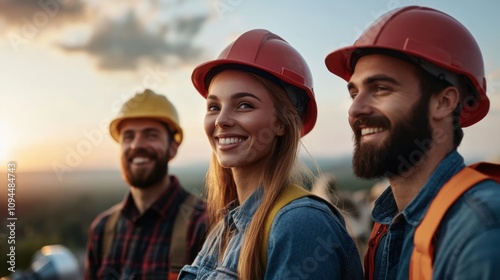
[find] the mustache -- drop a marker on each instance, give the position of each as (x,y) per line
(144,152)
(379,121)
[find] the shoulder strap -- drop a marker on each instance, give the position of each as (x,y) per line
(289,194)
(378,231)
(178,249)
(109,230)
(422,257)
(179,244)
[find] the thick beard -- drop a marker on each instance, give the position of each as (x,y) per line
(145,178)
(407,144)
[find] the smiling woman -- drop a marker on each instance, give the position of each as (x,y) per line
(259,103)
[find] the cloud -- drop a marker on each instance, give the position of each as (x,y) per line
(119,35)
(122,44)
(18,13)
(36,20)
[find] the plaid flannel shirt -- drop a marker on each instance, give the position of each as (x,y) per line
(141,243)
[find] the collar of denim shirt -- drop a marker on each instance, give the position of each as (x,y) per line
(385,209)
(242,215)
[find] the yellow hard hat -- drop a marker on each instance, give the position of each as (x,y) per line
(148,104)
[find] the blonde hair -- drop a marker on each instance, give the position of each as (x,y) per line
(280,172)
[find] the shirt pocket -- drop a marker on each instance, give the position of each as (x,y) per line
(192,273)
(224,273)
(188,272)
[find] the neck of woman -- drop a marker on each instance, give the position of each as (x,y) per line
(247,181)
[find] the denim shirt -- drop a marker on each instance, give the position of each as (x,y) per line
(306,241)
(467,242)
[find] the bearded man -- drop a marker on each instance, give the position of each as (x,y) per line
(416,78)
(159,226)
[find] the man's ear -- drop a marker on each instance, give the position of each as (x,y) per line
(444,103)
(172,150)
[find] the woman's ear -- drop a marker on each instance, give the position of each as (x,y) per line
(444,103)
(280,131)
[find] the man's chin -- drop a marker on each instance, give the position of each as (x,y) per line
(368,174)
(368,162)
(138,179)
(145,175)
(142,183)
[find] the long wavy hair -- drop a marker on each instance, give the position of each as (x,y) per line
(281,170)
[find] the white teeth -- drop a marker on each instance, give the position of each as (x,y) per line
(370,130)
(139,160)
(230,140)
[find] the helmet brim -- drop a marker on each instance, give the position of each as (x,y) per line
(114,126)
(200,82)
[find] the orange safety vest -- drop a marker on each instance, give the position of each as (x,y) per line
(422,257)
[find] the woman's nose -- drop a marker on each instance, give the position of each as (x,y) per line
(224,119)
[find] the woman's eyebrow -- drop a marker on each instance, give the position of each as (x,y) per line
(235,96)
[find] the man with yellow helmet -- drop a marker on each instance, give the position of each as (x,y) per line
(159,226)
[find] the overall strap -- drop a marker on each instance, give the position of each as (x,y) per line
(289,194)
(179,243)
(422,257)
(109,230)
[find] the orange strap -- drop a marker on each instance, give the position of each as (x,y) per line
(378,231)
(422,257)
(173,275)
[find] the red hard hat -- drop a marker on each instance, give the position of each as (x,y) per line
(427,34)
(266,52)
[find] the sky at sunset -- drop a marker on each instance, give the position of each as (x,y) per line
(68,66)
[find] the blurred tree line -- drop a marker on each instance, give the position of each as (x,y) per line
(53,212)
